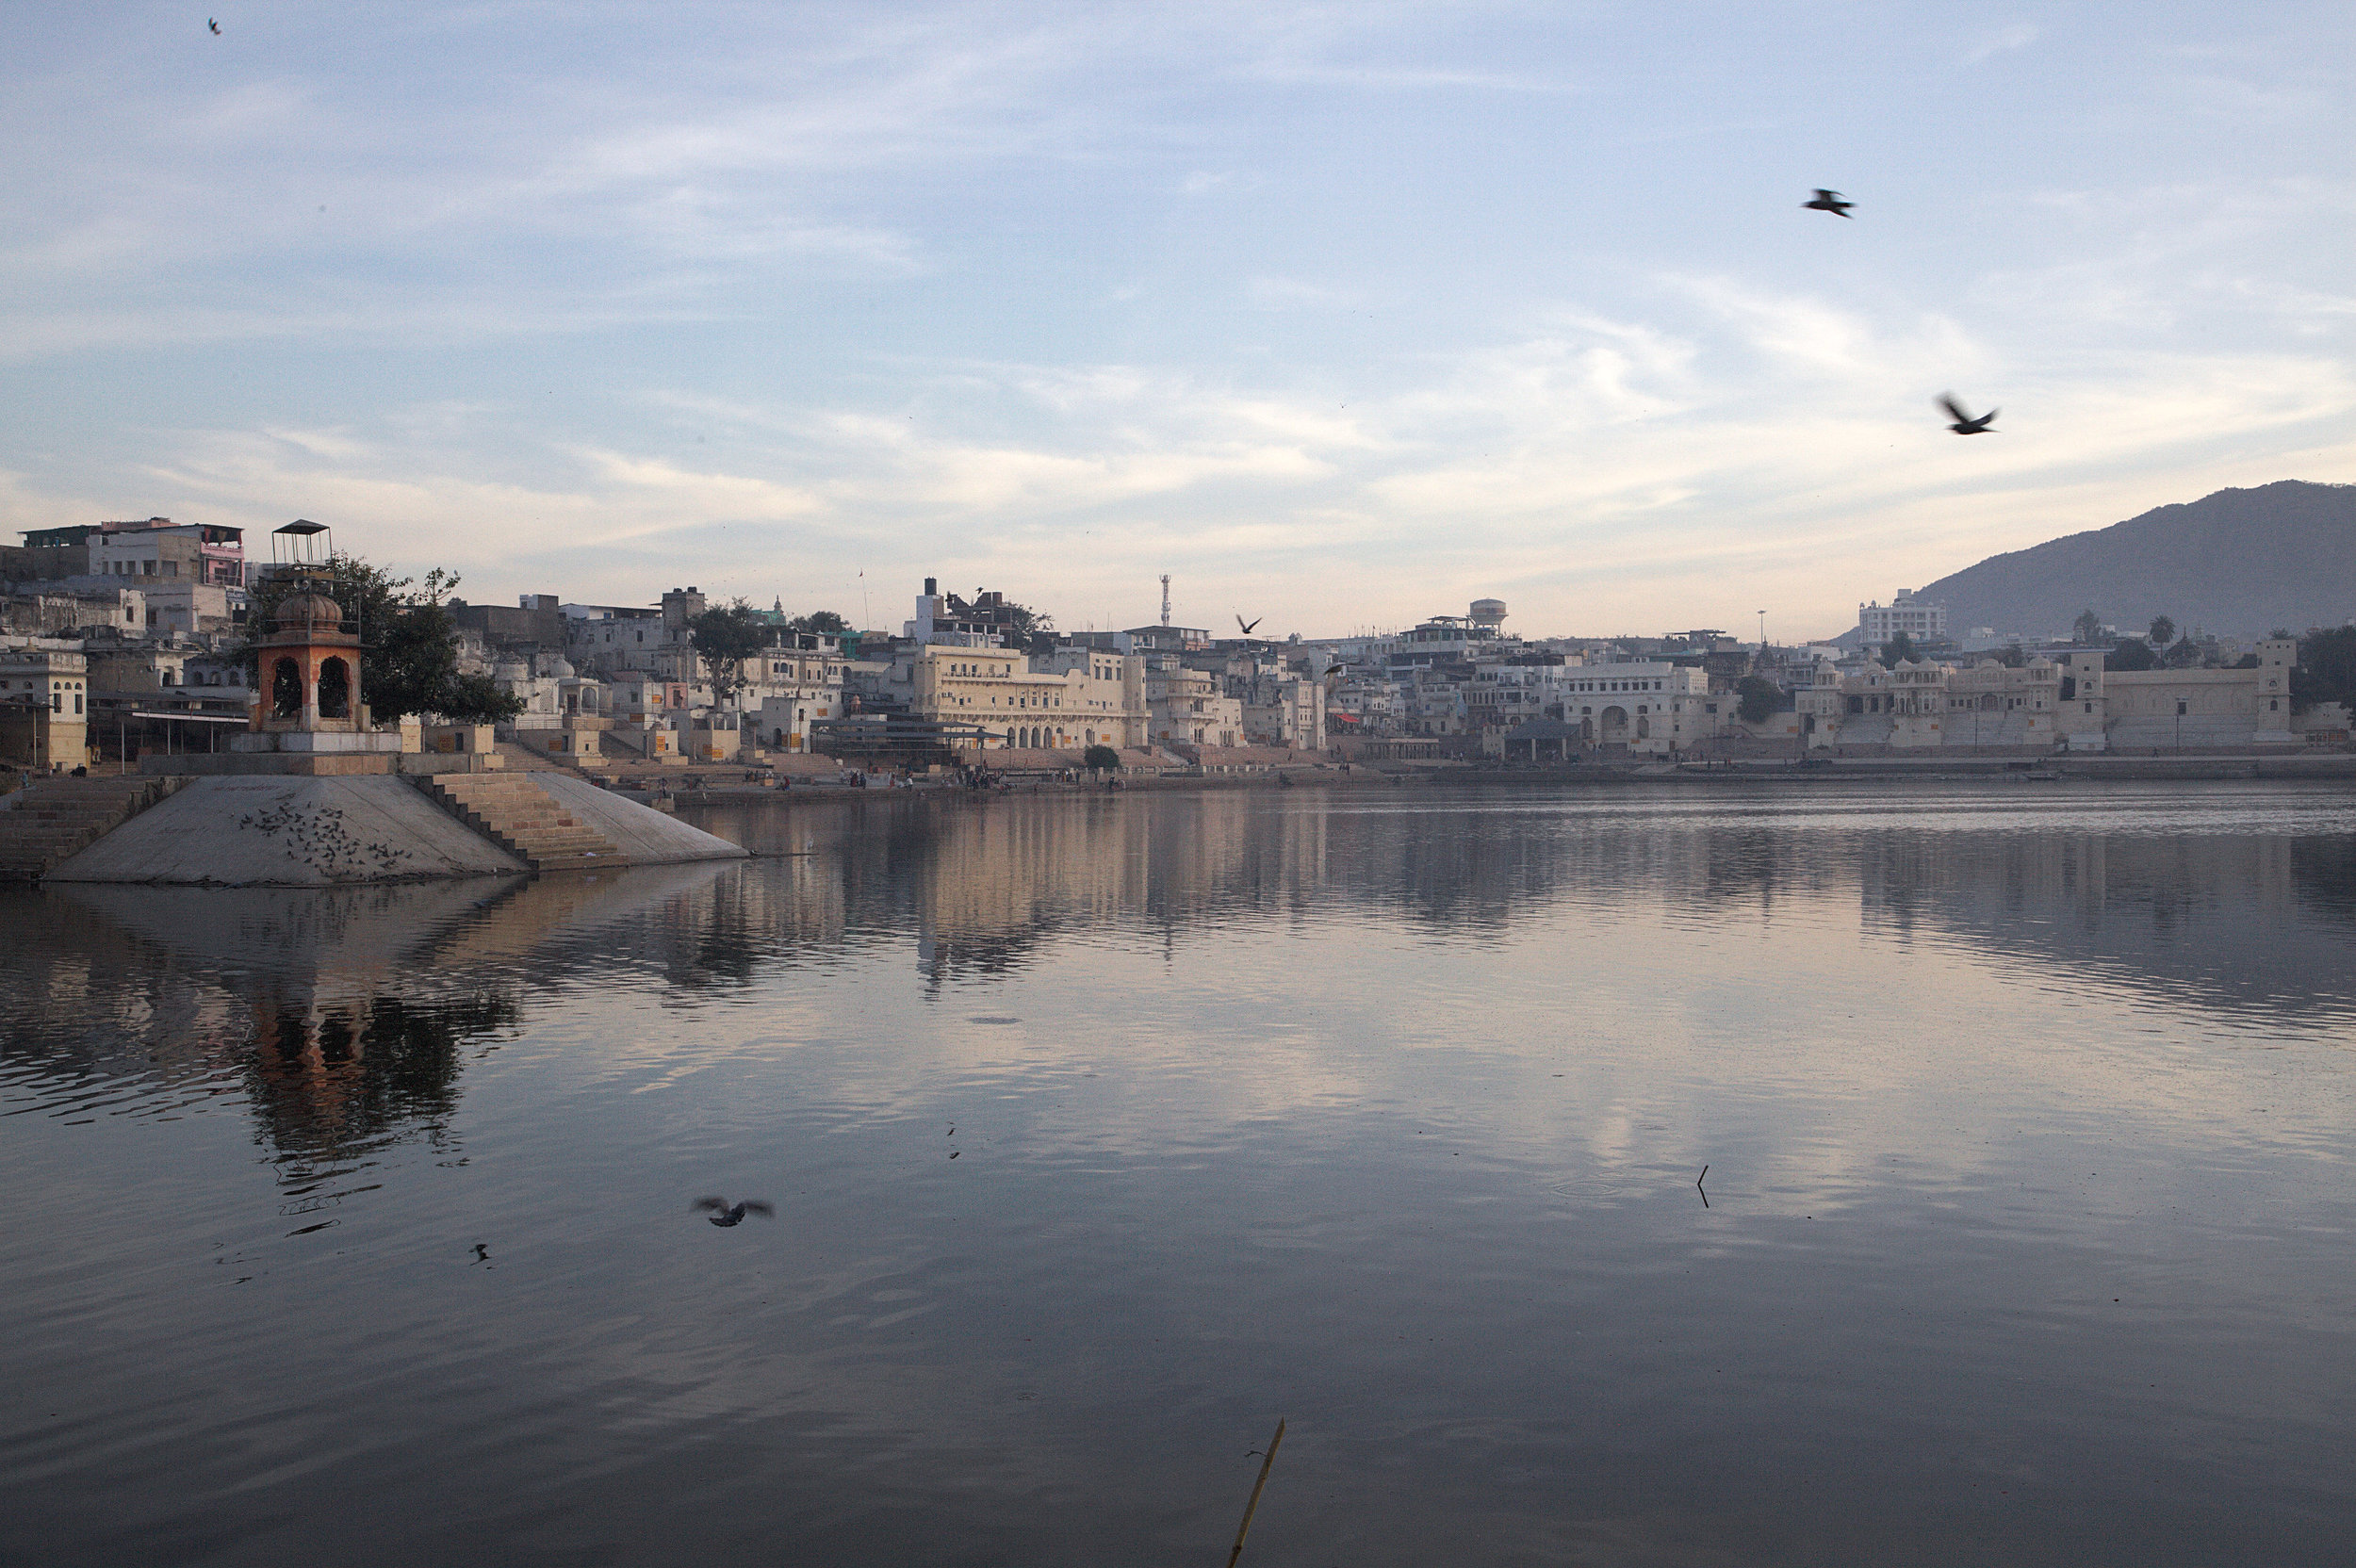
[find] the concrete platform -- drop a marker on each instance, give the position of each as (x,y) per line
(275,830)
(644,835)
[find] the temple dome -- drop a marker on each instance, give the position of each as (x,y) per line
(308,612)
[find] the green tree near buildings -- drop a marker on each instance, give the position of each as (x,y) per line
(1899,649)
(1756,697)
(727,635)
(2327,668)
(408,644)
(2086,630)
(2130,653)
(2162,632)
(1104,757)
(824,622)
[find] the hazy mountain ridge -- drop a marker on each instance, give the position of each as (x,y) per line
(2238,563)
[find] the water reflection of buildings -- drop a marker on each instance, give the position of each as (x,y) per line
(347,1016)
(2230,918)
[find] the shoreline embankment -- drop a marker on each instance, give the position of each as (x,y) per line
(2057,772)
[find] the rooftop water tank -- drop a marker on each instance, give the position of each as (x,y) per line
(1488,613)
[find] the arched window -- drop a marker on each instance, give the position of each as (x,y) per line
(285,690)
(335,690)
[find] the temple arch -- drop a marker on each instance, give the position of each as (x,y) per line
(285,690)
(334,689)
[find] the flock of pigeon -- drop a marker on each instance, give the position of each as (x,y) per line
(1965,424)
(320,840)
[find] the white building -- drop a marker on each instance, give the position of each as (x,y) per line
(1920,619)
(1651,705)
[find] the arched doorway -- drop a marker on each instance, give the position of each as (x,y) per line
(1611,727)
(335,690)
(285,690)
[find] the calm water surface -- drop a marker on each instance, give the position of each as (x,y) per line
(354,1227)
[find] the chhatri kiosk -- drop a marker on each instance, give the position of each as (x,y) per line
(307,702)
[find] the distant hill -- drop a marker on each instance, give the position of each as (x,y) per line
(2238,563)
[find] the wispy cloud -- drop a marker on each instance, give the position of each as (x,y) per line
(1352,311)
(2019,35)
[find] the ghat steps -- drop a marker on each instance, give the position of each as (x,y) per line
(54,818)
(521,816)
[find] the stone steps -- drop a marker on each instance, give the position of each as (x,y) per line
(524,818)
(56,819)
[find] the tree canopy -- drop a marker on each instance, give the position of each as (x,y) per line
(1100,757)
(2327,668)
(2130,653)
(1899,648)
(2087,628)
(2162,632)
(1758,697)
(824,622)
(725,637)
(408,644)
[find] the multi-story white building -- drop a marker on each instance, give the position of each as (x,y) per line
(1920,619)
(1071,700)
(1186,707)
(1651,706)
(156,549)
(2074,703)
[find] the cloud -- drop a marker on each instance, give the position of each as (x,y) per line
(2017,36)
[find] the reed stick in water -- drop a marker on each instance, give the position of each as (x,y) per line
(1245,1529)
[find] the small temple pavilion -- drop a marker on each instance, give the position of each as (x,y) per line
(307,700)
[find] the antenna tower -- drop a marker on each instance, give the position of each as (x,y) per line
(1165,598)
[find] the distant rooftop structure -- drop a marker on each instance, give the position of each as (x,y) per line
(1920,619)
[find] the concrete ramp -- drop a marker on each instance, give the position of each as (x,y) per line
(281,830)
(644,835)
(290,831)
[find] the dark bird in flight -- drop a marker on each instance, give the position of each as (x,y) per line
(1249,625)
(213,25)
(723,1214)
(1830,201)
(1965,424)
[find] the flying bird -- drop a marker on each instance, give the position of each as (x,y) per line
(1830,201)
(1249,625)
(213,25)
(723,1214)
(1965,424)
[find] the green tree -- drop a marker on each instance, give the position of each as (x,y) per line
(408,644)
(1100,757)
(2162,632)
(824,622)
(1758,697)
(2014,656)
(1026,628)
(1900,647)
(725,637)
(2088,628)
(2327,668)
(2130,653)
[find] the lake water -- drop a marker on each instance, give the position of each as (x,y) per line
(356,1228)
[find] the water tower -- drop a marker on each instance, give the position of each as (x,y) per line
(1488,614)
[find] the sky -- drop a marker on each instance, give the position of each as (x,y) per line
(1342,316)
